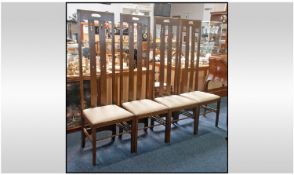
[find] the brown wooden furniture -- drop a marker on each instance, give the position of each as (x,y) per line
(188,89)
(219,21)
(170,30)
(141,107)
(180,95)
(218,61)
(99,114)
(217,75)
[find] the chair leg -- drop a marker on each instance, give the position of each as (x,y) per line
(134,135)
(145,124)
(175,116)
(204,111)
(196,119)
(217,113)
(120,130)
(168,127)
(113,132)
(152,124)
(83,141)
(94,145)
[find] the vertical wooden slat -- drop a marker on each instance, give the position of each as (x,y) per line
(113,76)
(121,64)
(198,55)
(80,41)
(139,60)
(92,50)
(153,61)
(103,84)
(81,34)
(148,94)
(131,61)
(192,59)
(169,57)
(176,76)
(179,56)
(185,72)
(162,60)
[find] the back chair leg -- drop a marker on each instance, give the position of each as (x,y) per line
(217,113)
(151,124)
(204,111)
(120,130)
(175,116)
(196,112)
(145,124)
(94,145)
(113,132)
(168,127)
(82,132)
(134,135)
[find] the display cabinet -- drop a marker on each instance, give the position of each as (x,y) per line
(206,46)
(218,32)
(216,80)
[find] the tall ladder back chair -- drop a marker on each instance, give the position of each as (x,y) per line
(141,106)
(170,34)
(189,87)
(100,114)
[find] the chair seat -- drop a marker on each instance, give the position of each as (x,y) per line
(143,107)
(104,114)
(174,101)
(200,97)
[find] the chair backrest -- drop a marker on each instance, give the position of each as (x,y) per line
(166,41)
(138,27)
(100,28)
(189,44)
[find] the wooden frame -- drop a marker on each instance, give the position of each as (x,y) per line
(98,89)
(170,23)
(195,26)
(140,21)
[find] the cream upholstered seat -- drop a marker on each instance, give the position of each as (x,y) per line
(104,114)
(200,97)
(143,107)
(174,101)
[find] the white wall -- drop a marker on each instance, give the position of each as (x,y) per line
(195,10)
(214,7)
(187,10)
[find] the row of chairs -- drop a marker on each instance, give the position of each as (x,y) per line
(126,114)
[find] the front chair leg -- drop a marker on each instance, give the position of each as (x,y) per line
(113,132)
(82,132)
(217,113)
(145,124)
(94,145)
(168,127)
(196,112)
(134,135)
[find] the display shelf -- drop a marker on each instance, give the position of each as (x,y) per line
(218,32)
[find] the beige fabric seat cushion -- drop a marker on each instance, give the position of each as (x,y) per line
(175,101)
(143,107)
(200,97)
(104,114)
